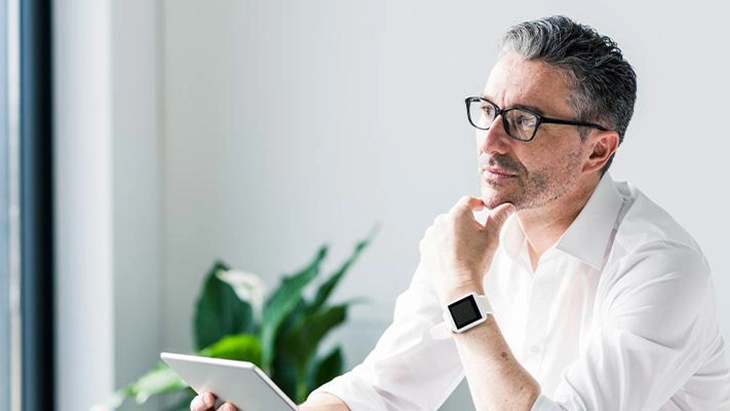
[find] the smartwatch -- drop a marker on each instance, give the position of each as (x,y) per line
(467,312)
(462,314)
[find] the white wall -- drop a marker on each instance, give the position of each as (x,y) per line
(83,196)
(107,197)
(292,123)
(137,189)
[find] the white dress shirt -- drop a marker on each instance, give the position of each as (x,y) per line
(619,315)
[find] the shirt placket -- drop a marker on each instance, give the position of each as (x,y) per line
(542,293)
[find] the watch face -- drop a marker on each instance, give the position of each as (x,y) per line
(465,311)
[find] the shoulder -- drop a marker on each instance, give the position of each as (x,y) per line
(652,255)
(643,222)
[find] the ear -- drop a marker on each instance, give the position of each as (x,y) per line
(602,145)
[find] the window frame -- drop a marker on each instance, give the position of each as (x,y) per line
(36,202)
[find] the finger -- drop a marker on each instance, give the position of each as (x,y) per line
(498,216)
(202,402)
(466,207)
(197,404)
(208,400)
(227,407)
(470,203)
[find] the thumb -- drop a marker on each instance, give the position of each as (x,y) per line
(498,215)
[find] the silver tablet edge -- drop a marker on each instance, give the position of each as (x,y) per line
(237,364)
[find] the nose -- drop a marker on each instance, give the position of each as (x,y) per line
(494,140)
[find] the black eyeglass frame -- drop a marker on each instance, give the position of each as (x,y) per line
(540,118)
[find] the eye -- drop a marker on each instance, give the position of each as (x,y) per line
(524,120)
(488,110)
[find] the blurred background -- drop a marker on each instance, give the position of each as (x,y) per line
(179,132)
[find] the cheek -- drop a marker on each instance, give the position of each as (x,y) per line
(533,157)
(550,153)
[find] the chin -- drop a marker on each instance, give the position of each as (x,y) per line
(492,203)
(492,198)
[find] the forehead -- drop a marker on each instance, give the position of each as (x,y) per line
(516,81)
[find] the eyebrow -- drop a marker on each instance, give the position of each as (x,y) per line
(523,106)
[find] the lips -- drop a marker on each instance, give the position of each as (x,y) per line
(496,174)
(495,169)
(499,167)
(499,172)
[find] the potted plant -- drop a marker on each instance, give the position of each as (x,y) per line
(280,333)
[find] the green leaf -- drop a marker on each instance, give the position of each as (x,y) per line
(281,304)
(115,401)
(241,347)
(325,369)
(284,375)
(161,379)
(282,370)
(328,286)
(301,341)
(219,311)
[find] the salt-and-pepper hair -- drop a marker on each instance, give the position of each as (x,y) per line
(603,83)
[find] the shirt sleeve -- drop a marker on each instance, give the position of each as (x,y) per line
(658,316)
(408,369)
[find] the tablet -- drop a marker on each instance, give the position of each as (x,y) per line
(241,383)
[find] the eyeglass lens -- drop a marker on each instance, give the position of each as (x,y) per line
(520,124)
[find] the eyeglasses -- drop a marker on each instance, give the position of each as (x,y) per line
(519,123)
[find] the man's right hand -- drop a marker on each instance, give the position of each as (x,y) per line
(206,401)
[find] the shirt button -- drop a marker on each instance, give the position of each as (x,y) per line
(534,349)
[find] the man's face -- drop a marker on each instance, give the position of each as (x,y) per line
(529,174)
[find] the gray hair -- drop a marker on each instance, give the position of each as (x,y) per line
(603,82)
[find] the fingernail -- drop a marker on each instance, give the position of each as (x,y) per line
(208,400)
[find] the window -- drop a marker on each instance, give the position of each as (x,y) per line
(4,220)
(31,137)
(10,360)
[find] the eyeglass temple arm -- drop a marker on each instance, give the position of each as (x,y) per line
(572,123)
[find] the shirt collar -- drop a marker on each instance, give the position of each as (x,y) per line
(511,237)
(587,237)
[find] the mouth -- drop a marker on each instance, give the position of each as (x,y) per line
(496,174)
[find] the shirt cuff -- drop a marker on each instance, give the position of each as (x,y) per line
(353,392)
(544,403)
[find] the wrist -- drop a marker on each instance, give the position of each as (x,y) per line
(323,401)
(461,289)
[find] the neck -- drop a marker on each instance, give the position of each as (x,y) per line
(544,225)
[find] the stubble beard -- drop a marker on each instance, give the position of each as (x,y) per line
(533,189)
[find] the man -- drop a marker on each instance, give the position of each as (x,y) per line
(598,299)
